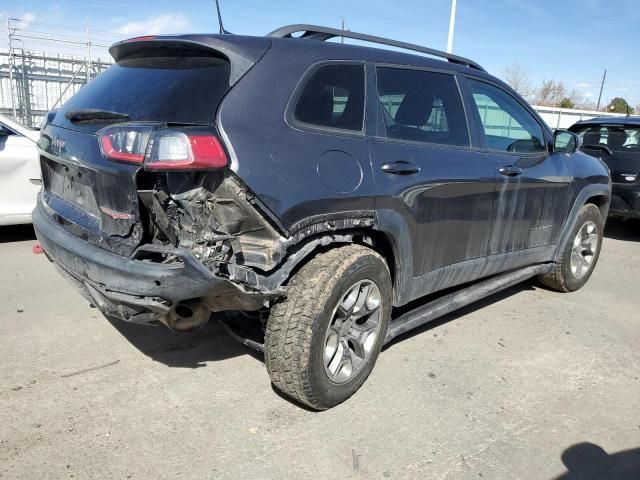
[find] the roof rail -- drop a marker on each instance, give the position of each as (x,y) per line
(315,32)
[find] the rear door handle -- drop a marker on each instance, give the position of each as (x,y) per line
(400,168)
(510,171)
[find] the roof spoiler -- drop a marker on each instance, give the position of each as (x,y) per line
(315,32)
(242,52)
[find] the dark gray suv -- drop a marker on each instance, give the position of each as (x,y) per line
(316,183)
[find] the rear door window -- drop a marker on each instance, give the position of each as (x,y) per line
(421,106)
(185,87)
(333,97)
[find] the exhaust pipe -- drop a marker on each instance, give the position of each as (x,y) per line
(187,316)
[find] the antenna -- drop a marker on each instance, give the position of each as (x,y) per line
(222,30)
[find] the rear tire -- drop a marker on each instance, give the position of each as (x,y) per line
(323,339)
(580,254)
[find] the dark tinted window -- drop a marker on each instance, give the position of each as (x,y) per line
(333,97)
(421,106)
(508,126)
(182,89)
(617,138)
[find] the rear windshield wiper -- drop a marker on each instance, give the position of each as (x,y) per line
(94,115)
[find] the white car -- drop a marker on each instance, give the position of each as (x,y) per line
(19,172)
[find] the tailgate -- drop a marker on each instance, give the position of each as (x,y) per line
(89,196)
(174,80)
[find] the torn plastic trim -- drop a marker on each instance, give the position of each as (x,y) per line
(272,281)
(212,216)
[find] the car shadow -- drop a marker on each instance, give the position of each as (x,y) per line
(213,343)
(184,350)
(16,233)
(587,461)
(627,230)
(455,315)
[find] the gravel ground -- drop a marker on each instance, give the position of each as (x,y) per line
(529,384)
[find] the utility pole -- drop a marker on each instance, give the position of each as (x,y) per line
(12,92)
(452,25)
(601,88)
(342,38)
(88,55)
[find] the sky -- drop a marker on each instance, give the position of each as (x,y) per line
(572,41)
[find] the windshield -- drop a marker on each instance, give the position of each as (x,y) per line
(183,88)
(618,138)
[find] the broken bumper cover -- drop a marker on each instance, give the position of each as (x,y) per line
(134,290)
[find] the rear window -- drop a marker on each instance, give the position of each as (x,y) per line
(182,88)
(333,97)
(617,138)
(421,106)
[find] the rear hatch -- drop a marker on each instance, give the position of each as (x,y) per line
(156,82)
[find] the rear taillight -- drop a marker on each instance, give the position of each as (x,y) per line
(177,150)
(189,148)
(125,144)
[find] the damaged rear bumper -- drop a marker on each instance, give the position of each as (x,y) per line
(140,288)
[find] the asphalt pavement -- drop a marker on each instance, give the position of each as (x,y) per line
(529,384)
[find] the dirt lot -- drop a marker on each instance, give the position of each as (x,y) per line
(526,385)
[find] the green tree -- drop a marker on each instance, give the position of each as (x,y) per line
(619,105)
(566,102)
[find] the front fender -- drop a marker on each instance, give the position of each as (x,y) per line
(587,192)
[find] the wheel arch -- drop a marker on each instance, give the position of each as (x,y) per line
(596,194)
(602,202)
(388,235)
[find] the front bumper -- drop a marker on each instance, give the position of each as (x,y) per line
(625,201)
(133,289)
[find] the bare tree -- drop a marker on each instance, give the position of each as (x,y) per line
(554,93)
(518,78)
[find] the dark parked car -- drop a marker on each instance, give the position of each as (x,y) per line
(319,183)
(616,141)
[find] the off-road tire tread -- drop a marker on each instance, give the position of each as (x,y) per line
(289,329)
(557,279)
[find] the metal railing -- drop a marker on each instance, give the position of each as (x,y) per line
(32,81)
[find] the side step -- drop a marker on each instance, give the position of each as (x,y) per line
(461,298)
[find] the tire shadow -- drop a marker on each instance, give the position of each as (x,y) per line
(627,230)
(530,284)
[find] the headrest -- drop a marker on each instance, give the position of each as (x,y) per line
(616,139)
(415,108)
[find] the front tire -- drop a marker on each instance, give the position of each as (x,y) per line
(323,339)
(580,254)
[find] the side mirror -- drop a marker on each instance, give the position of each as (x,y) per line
(4,131)
(565,141)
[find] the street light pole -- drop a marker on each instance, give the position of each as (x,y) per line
(604,77)
(452,25)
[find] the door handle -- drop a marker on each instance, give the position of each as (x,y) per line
(510,171)
(400,168)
